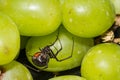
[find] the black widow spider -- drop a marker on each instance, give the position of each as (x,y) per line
(42,57)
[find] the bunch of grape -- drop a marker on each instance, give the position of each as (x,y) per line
(59,35)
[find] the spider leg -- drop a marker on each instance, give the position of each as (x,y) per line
(30,55)
(53,55)
(45,67)
(66,57)
(60,48)
(55,48)
(35,69)
(54,42)
(55,39)
(40,49)
(32,68)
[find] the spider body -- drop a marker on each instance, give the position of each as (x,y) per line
(42,57)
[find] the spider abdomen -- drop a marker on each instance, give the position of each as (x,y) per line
(40,59)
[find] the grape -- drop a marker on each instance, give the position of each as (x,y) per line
(68,77)
(102,62)
(9,39)
(87,18)
(15,71)
(33,17)
(116,4)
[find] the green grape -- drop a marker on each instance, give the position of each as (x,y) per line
(68,77)
(9,39)
(88,18)
(33,17)
(14,71)
(102,62)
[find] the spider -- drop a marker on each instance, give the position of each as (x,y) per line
(42,57)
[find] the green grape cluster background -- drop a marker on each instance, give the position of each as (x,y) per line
(72,39)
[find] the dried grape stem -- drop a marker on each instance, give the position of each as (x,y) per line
(109,35)
(117,20)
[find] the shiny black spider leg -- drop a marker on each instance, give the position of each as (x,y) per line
(53,42)
(32,68)
(55,47)
(55,55)
(57,37)
(59,49)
